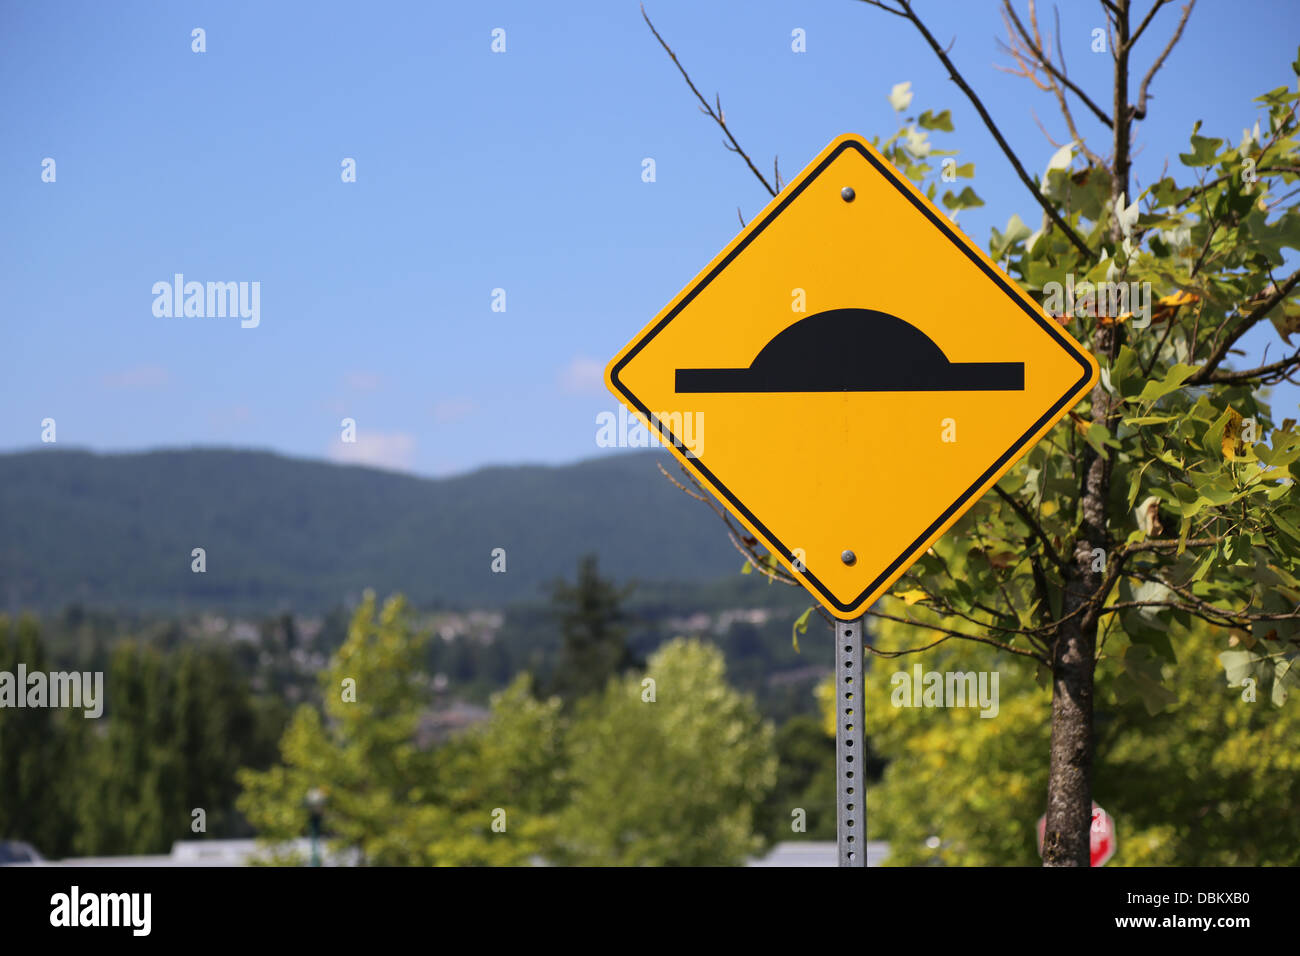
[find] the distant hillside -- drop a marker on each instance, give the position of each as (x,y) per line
(118,530)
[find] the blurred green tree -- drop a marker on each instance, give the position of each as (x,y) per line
(592,624)
(176,729)
(37,781)
(805,780)
(481,800)
(669,772)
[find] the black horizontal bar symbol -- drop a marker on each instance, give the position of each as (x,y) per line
(962,377)
(854,350)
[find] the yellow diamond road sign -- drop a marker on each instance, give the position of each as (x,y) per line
(850,375)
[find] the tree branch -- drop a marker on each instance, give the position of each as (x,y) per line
(1027,517)
(955,75)
(1276,372)
(948,632)
(1140,111)
(1228,617)
(1036,51)
(718,116)
(1145,22)
(1216,357)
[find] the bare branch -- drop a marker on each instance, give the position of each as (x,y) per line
(1160,545)
(1205,187)
(1140,111)
(1227,617)
(1217,615)
(871,612)
(1092,157)
(717,114)
(1257,314)
(955,75)
(1269,374)
(1027,517)
(1155,8)
(880,6)
(1036,51)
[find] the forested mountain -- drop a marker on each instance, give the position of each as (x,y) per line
(119,530)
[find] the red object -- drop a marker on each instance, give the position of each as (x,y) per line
(1102,844)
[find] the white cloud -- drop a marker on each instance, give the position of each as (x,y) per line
(391,450)
(583,376)
(140,376)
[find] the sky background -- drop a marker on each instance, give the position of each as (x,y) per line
(475,171)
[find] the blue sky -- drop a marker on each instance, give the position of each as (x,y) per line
(475,171)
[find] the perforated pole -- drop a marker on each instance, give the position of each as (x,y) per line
(850,744)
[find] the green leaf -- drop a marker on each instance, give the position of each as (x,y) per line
(1238,665)
(1217,488)
(1286,320)
(1152,420)
(1239,549)
(1003,241)
(1172,381)
(1213,440)
(1203,151)
(1135,483)
(1204,565)
(1285,676)
(800,627)
(1285,525)
(1121,372)
(1098,436)
(1143,678)
(1153,591)
(966,199)
(941,121)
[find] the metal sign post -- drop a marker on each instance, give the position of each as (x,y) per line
(850,744)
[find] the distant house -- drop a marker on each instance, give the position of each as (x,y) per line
(437,725)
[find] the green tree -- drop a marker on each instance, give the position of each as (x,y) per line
(361,750)
(38,779)
(1211,780)
(805,781)
(673,781)
(592,624)
(124,802)
(389,799)
(1168,495)
(176,729)
(511,770)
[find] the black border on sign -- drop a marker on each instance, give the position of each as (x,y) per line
(883,168)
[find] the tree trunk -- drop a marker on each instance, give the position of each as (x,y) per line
(1067,836)
(1068,831)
